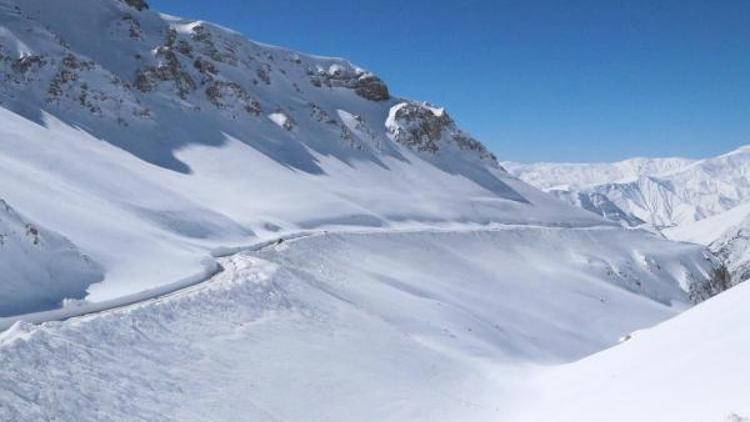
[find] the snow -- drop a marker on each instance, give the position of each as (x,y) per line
(665,192)
(381,326)
(160,160)
(38,268)
(710,229)
(280,119)
(690,368)
(149,175)
(577,175)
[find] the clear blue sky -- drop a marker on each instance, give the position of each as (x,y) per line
(592,80)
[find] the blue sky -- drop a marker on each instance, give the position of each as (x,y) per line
(576,80)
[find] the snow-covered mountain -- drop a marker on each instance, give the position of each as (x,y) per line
(662,192)
(262,234)
(701,201)
(150,140)
(576,175)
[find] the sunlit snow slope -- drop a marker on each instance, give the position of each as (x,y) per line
(411,326)
(691,368)
(429,284)
(149,140)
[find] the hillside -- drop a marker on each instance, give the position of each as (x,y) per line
(160,139)
(38,268)
(237,231)
(378,326)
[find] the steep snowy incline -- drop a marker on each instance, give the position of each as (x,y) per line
(691,368)
(727,235)
(38,267)
(150,140)
(367,327)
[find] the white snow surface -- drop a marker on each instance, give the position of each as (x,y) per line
(690,368)
(577,175)
(39,267)
(662,192)
(703,201)
(388,326)
(439,287)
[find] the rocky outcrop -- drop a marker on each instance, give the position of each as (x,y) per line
(227,95)
(169,70)
(139,5)
(424,128)
(719,281)
(365,84)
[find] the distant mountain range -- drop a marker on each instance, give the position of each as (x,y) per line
(703,201)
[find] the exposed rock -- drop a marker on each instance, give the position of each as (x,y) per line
(205,67)
(26,63)
(372,88)
(139,5)
(320,115)
(428,129)
(202,35)
(134,27)
(170,70)
(365,84)
(222,93)
(264,73)
(719,281)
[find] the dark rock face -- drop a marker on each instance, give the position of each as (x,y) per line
(720,280)
(225,95)
(372,88)
(426,129)
(366,85)
(171,70)
(139,5)
(419,127)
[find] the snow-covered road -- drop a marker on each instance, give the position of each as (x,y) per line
(212,267)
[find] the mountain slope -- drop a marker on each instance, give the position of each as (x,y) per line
(38,268)
(726,235)
(419,326)
(662,192)
(430,283)
(576,175)
(692,367)
(159,139)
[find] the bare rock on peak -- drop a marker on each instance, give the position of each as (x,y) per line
(139,5)
(424,128)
